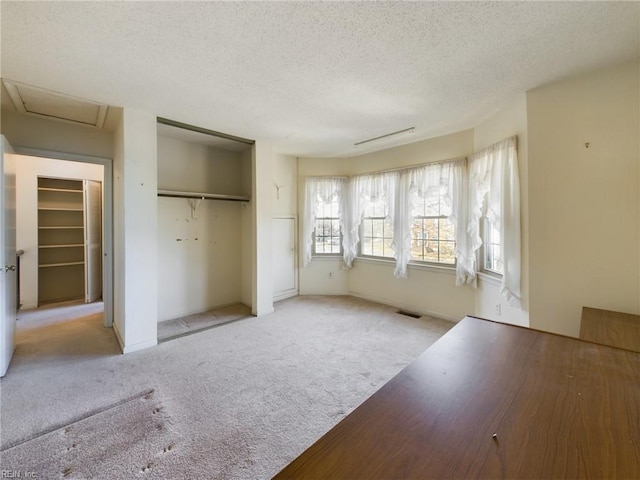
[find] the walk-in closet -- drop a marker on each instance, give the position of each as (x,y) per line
(69,240)
(204,222)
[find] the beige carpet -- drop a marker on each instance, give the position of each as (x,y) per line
(179,327)
(128,440)
(240,400)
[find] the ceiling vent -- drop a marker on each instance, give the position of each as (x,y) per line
(44,103)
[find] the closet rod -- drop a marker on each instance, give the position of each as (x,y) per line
(203,196)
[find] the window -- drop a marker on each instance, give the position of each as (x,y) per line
(327,239)
(377,234)
(491,251)
(433,236)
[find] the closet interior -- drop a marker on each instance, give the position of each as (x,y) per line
(204,228)
(69,240)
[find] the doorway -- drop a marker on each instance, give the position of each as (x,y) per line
(50,253)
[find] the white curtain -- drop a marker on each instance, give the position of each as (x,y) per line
(399,189)
(493,175)
(319,190)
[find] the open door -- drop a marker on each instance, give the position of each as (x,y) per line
(8,259)
(92,240)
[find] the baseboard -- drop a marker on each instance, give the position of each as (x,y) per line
(284,295)
(136,346)
(118,336)
(405,306)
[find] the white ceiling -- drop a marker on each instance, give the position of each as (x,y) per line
(312,77)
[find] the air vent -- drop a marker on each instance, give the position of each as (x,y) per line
(44,103)
(409,314)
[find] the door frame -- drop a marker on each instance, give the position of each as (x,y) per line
(107,220)
(295,291)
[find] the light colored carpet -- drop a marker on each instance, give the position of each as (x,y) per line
(243,399)
(127,440)
(178,327)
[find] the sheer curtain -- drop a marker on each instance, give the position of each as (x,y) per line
(493,176)
(400,189)
(326,190)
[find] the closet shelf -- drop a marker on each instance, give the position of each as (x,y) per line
(203,196)
(67,190)
(61,227)
(62,264)
(58,209)
(65,245)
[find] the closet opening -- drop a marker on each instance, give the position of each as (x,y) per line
(204,228)
(64,230)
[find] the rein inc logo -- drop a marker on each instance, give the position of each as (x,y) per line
(18,474)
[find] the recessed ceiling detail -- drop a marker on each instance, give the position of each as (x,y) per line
(44,103)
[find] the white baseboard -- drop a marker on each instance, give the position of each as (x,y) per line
(405,306)
(136,346)
(285,294)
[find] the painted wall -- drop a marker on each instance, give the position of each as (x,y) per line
(425,290)
(135,230)
(199,255)
(584,203)
(262,214)
(323,276)
(511,120)
(35,132)
(28,169)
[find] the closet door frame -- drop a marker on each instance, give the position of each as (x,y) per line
(107,221)
(294,252)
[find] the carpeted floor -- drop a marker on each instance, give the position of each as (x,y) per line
(238,401)
(179,327)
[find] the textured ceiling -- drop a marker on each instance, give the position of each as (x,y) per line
(313,78)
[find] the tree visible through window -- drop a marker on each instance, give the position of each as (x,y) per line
(377,234)
(433,236)
(327,239)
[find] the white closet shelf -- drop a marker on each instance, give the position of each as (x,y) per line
(203,196)
(61,227)
(52,209)
(67,190)
(66,245)
(62,264)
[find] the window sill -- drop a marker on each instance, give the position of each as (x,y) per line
(324,258)
(411,266)
(490,278)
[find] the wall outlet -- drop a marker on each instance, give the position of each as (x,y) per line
(499,308)
(330,274)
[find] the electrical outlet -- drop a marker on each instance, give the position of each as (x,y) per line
(330,274)
(499,308)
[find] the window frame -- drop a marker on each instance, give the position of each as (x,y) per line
(486,235)
(419,261)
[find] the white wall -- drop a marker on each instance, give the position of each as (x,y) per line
(323,276)
(28,169)
(35,132)
(511,120)
(135,230)
(199,258)
(262,214)
(425,290)
(584,203)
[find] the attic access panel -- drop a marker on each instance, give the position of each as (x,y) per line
(45,103)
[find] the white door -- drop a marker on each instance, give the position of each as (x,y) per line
(284,258)
(92,240)
(8,274)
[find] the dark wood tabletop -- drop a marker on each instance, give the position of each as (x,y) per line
(490,400)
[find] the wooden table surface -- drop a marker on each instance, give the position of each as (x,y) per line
(559,407)
(617,329)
